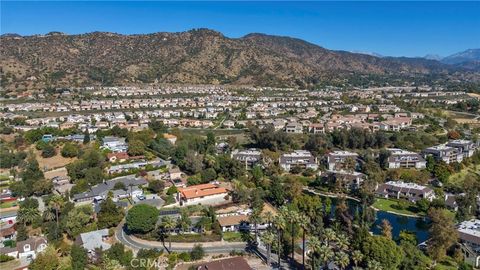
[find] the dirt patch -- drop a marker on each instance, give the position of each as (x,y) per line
(51,163)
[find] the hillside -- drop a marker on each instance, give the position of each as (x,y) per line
(196,56)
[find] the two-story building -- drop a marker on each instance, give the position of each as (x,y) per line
(405,159)
(444,153)
(336,159)
(298,158)
(401,190)
(249,157)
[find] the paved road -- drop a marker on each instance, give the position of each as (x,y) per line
(121,236)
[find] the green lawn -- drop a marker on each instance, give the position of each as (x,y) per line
(410,209)
(232,236)
(8,204)
(392,206)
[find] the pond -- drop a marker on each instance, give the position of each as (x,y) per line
(419,226)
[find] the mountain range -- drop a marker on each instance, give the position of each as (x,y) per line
(199,56)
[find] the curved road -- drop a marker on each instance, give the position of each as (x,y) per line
(128,241)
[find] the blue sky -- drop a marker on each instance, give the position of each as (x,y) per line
(388,28)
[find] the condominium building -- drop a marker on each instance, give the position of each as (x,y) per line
(298,158)
(405,159)
(444,153)
(336,159)
(408,191)
(465,147)
(249,157)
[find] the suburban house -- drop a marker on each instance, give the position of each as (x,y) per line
(298,158)
(405,159)
(233,223)
(7,232)
(294,127)
(400,190)
(249,157)
(93,240)
(336,159)
(444,153)
(26,249)
(202,194)
(469,235)
(100,191)
(237,263)
(115,144)
(464,147)
(316,128)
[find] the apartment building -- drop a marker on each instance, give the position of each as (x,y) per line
(408,191)
(405,159)
(444,153)
(465,147)
(336,159)
(469,235)
(298,158)
(249,157)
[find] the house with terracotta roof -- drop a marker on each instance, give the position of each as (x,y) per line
(202,194)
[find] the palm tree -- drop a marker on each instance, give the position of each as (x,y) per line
(268,238)
(342,260)
(255,218)
(342,242)
(329,235)
(374,265)
(314,246)
(56,203)
(280,224)
(357,257)
(305,224)
(27,215)
(268,217)
(293,217)
(325,253)
(168,223)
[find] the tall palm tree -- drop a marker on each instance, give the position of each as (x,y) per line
(325,253)
(256,218)
(329,235)
(304,222)
(268,238)
(293,218)
(168,223)
(314,245)
(56,203)
(280,224)
(342,260)
(357,257)
(27,215)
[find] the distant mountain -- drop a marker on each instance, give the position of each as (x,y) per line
(433,57)
(368,53)
(199,56)
(462,57)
